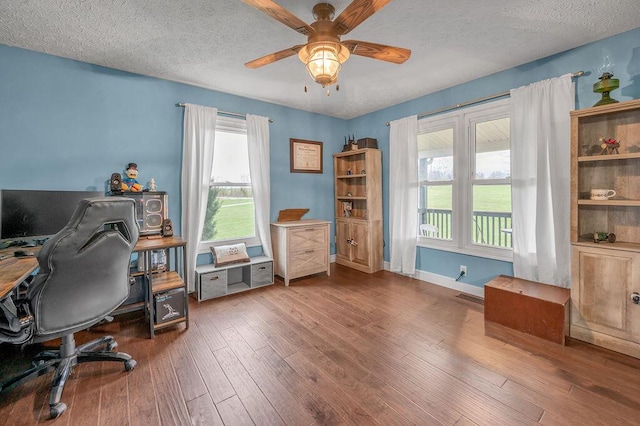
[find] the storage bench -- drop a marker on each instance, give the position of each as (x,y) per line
(214,281)
(531,307)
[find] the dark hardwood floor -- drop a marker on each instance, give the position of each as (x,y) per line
(347,349)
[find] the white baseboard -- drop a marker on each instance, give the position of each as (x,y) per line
(332,258)
(443,281)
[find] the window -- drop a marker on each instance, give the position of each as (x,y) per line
(464,173)
(230,216)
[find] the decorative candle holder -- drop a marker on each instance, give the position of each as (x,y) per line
(605,86)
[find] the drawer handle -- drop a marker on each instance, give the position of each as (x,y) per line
(262,268)
(214,278)
(309,251)
(310,229)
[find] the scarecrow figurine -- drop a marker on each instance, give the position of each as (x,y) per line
(129,183)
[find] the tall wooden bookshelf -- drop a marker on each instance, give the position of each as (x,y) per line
(605,275)
(358,209)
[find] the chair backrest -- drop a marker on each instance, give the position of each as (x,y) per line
(428,230)
(84,268)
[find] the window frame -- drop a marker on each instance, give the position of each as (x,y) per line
(238,126)
(464,151)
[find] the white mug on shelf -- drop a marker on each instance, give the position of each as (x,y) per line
(602,194)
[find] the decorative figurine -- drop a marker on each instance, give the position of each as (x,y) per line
(349,171)
(604,236)
(606,85)
(346,209)
(152,185)
(346,145)
(353,145)
(609,146)
(129,183)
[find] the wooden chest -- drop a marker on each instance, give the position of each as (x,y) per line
(534,308)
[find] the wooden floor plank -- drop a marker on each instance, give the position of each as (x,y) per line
(320,409)
(87,401)
(352,348)
(186,370)
(216,381)
(277,394)
(203,412)
(256,404)
(565,407)
(233,412)
(272,338)
(171,404)
(365,396)
(322,384)
(114,406)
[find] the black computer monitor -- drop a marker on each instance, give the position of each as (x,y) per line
(37,214)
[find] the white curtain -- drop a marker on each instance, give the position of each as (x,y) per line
(197,162)
(259,167)
(403,194)
(540,168)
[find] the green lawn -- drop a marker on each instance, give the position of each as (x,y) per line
(488,198)
(235,219)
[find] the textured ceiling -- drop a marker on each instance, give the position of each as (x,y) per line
(206,43)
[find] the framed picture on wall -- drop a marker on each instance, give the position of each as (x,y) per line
(305,156)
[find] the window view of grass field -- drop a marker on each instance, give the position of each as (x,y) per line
(491,222)
(230,214)
(485,173)
(238,217)
(230,211)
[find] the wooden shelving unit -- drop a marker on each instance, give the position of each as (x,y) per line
(159,282)
(358,184)
(606,274)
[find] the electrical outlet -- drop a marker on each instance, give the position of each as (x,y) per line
(463,270)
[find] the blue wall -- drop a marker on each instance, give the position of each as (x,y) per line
(625,50)
(68,125)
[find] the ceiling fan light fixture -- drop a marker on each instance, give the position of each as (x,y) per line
(324,60)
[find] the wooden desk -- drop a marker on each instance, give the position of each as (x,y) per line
(13,271)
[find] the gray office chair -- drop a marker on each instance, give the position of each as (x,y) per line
(83,277)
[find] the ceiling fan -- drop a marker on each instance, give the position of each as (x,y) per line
(324,53)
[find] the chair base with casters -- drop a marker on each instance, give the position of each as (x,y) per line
(63,360)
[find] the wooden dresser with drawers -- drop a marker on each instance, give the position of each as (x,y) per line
(300,248)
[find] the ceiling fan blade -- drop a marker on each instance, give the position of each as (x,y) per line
(281,14)
(397,55)
(356,13)
(272,57)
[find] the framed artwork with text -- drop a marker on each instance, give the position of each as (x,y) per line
(305,156)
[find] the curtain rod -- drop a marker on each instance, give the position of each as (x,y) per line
(233,114)
(476,101)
